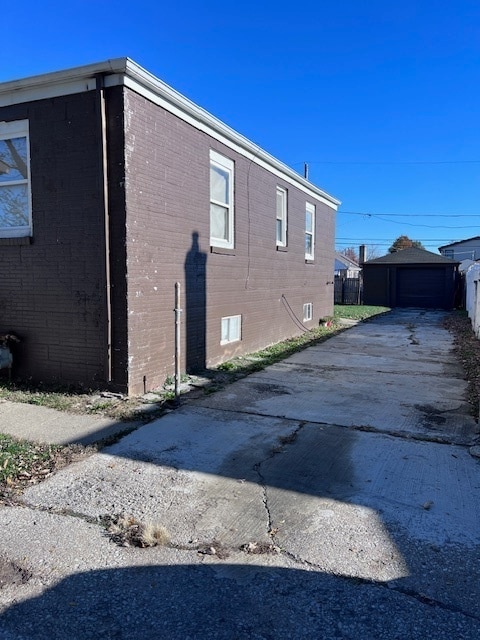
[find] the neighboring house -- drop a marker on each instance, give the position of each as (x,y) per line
(463,250)
(410,278)
(113,187)
(345,267)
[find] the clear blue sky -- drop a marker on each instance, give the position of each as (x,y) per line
(381,99)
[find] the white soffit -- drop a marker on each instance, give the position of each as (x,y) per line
(125,72)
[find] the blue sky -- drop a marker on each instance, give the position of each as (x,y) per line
(381,99)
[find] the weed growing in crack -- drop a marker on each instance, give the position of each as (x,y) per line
(126,531)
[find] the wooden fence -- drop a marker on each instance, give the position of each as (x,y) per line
(348,290)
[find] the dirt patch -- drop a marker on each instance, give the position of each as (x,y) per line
(433,417)
(276,389)
(11,574)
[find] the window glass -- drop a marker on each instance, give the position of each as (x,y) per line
(221,201)
(281,228)
(231,329)
(13,206)
(219,184)
(13,157)
(307,311)
(309,231)
(219,222)
(14,180)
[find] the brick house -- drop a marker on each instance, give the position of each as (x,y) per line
(113,187)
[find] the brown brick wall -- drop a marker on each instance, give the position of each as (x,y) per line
(167,168)
(117,226)
(52,291)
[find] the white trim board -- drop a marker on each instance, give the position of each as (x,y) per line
(125,72)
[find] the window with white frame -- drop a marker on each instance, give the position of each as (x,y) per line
(221,201)
(281,217)
(309,231)
(231,329)
(15,198)
(307,311)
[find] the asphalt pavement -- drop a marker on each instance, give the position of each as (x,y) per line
(332,495)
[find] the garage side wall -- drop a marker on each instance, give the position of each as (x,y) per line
(376,285)
(168,241)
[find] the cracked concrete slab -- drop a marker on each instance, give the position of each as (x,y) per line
(329,496)
(370,376)
(325,462)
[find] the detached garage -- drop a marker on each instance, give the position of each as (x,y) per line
(410,278)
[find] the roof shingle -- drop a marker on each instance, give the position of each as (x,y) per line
(414,255)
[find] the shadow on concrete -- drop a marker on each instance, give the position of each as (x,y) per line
(227,602)
(245,601)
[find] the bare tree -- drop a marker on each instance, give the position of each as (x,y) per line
(351,254)
(373,251)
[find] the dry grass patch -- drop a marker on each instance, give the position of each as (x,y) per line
(467,348)
(127,531)
(24,463)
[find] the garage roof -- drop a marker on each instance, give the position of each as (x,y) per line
(414,255)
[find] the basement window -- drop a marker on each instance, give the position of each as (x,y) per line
(307,311)
(15,197)
(231,329)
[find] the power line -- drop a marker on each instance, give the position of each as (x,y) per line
(446,240)
(386,162)
(413,215)
(428,226)
(383,218)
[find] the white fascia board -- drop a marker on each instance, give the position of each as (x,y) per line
(58,83)
(158,92)
(123,71)
(41,93)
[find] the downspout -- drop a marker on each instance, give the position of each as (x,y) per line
(104,180)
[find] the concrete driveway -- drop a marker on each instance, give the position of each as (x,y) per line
(333,495)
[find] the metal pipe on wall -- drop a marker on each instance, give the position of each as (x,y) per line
(178,313)
(104,170)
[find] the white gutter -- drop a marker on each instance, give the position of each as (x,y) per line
(125,72)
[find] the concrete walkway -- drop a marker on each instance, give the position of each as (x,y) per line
(42,424)
(330,496)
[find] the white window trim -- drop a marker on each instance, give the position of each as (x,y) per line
(308,311)
(311,209)
(235,338)
(282,215)
(225,164)
(18,129)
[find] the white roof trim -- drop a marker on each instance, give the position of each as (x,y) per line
(123,71)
